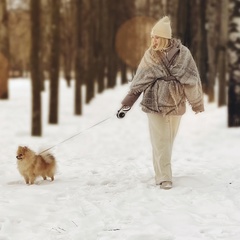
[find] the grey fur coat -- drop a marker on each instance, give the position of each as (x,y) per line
(161,95)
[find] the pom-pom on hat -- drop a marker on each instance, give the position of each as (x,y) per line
(163,28)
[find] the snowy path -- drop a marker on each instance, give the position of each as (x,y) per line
(104,187)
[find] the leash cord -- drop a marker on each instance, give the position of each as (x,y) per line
(94,125)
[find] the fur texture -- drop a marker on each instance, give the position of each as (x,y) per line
(31,165)
(168,97)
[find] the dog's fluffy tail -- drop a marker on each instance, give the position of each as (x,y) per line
(48,157)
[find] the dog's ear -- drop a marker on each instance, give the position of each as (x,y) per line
(25,148)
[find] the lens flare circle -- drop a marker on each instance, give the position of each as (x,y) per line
(133,38)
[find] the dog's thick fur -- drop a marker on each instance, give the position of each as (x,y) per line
(31,165)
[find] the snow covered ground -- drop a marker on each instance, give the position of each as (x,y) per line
(104,187)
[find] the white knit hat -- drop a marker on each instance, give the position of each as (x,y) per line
(162,28)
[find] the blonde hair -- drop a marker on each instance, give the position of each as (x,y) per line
(162,44)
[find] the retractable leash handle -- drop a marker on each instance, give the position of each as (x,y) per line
(127,104)
(122,111)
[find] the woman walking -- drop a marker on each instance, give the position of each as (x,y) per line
(168,78)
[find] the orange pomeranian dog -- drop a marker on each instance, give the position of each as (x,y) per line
(31,165)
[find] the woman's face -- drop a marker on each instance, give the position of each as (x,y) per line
(155,40)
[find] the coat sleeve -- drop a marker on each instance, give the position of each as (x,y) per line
(194,96)
(193,87)
(130,99)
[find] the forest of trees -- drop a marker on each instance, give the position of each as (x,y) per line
(92,43)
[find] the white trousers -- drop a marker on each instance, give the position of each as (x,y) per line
(163,130)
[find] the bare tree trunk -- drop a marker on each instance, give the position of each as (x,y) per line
(91,48)
(197,37)
(213,7)
(67,39)
(41,63)
(78,57)
(45,40)
(54,61)
(111,56)
(123,67)
(4,51)
(111,66)
(194,38)
(234,72)
(183,27)
(67,67)
(35,69)
(118,13)
(101,44)
(222,55)
(171,8)
(203,52)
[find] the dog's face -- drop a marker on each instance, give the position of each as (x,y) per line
(21,152)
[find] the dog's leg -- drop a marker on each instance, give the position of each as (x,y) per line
(26,179)
(44,177)
(50,174)
(32,179)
